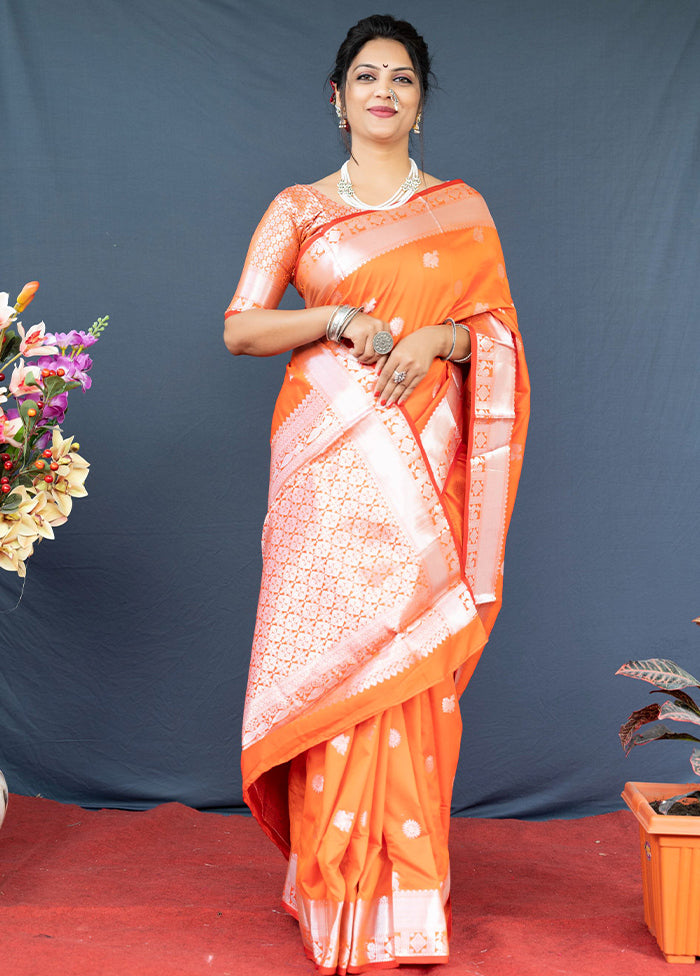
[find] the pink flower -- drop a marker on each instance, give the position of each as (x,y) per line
(7,311)
(8,429)
(25,380)
(34,341)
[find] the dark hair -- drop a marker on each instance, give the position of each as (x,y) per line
(383,25)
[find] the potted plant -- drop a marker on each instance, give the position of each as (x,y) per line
(668,813)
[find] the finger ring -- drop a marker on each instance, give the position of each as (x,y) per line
(399,376)
(382,343)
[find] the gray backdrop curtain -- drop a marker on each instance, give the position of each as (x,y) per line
(142,140)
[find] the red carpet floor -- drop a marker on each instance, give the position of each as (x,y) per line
(174,892)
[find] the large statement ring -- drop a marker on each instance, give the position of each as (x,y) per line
(399,376)
(383,343)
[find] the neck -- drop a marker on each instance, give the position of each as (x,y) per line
(377,171)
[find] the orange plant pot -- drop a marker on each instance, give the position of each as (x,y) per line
(670,848)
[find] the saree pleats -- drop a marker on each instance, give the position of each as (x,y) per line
(368,874)
(383,552)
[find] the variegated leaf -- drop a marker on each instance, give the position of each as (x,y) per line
(680,696)
(678,713)
(659,732)
(659,671)
(637,719)
(695,761)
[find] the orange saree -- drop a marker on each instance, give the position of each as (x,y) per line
(382,566)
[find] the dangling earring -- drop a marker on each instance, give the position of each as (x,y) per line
(342,121)
(416,124)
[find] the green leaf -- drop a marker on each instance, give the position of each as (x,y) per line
(678,713)
(659,671)
(11,502)
(635,721)
(52,386)
(24,409)
(10,346)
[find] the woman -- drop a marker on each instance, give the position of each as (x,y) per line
(397,441)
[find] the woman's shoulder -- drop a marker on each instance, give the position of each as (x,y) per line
(300,196)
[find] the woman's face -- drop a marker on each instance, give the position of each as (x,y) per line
(380,67)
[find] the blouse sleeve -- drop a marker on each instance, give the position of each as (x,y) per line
(271,258)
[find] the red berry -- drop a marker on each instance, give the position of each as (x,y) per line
(48,479)
(5,488)
(31,412)
(53,466)
(52,372)
(2,377)
(39,464)
(60,372)
(7,465)
(4,480)
(47,452)
(45,373)
(4,457)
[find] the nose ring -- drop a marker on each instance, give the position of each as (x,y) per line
(394,99)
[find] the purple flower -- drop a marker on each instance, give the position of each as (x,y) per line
(84,339)
(62,339)
(75,367)
(43,441)
(73,338)
(56,362)
(56,408)
(79,367)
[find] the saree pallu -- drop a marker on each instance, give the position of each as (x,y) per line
(383,555)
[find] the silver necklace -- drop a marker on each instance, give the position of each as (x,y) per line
(347,193)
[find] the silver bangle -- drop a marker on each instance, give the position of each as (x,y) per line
(466,358)
(330,320)
(339,321)
(347,320)
(454,337)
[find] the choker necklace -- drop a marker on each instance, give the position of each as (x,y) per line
(347,193)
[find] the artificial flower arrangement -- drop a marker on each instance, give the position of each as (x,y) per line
(40,470)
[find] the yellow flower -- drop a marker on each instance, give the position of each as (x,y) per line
(19,530)
(69,479)
(41,509)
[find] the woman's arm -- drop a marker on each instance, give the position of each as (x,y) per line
(267,331)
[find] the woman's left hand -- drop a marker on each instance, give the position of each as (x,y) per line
(413,356)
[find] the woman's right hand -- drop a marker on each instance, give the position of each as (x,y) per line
(360,332)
